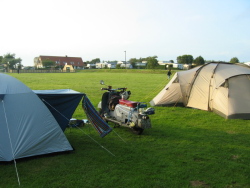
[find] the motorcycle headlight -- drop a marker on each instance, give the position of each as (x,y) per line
(150,111)
(125,95)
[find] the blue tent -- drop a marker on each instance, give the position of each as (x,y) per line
(27,127)
(61,103)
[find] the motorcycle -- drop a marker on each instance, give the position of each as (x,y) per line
(116,108)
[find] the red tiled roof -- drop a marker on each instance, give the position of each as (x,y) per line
(75,61)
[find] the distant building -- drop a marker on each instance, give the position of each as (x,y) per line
(182,66)
(164,62)
(111,65)
(167,64)
(178,66)
(187,66)
(91,66)
(124,64)
(68,68)
(247,63)
(60,61)
(140,64)
(101,65)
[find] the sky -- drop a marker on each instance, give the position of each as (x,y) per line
(214,29)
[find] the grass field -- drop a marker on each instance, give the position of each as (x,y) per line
(184,148)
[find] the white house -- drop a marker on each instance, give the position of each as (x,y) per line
(90,66)
(111,65)
(178,66)
(101,65)
(164,62)
(247,63)
(125,64)
(182,66)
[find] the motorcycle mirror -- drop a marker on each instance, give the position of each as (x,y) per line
(102,82)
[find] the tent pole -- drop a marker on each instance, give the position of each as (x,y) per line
(119,136)
(11,143)
(97,142)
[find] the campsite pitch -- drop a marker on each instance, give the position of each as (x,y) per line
(184,148)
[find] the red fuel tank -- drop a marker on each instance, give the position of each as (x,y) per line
(128,103)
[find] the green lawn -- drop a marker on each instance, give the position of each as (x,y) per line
(184,148)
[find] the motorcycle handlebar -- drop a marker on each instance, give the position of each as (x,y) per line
(123,88)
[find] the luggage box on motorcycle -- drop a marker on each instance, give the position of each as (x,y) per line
(128,103)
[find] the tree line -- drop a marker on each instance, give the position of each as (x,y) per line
(152,61)
(188,59)
(9,61)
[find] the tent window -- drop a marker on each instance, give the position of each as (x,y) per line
(225,84)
